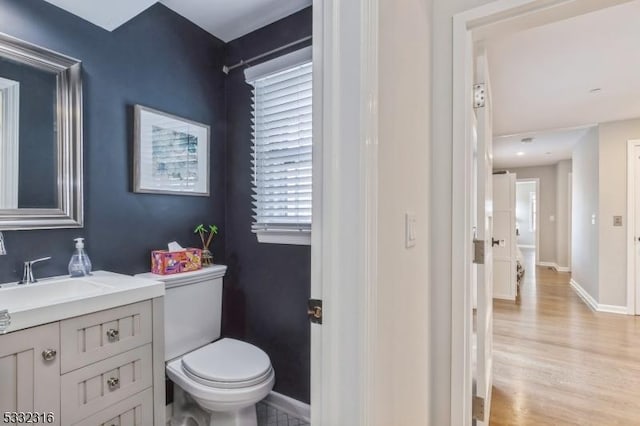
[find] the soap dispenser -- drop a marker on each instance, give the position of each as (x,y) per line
(79,265)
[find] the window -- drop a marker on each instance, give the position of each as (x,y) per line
(282,145)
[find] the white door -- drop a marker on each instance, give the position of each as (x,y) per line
(484,326)
(636,219)
(504,234)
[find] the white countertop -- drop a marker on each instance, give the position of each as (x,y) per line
(57,298)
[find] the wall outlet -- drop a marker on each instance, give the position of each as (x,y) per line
(552,218)
(617,221)
(593,219)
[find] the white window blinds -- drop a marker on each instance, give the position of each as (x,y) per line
(282,145)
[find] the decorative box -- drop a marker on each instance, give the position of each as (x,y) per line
(165,262)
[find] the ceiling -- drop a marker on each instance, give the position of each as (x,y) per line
(225,19)
(542,77)
(546,148)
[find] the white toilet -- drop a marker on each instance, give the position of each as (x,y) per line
(227,377)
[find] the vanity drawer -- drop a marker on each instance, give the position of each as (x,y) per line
(134,411)
(95,387)
(94,337)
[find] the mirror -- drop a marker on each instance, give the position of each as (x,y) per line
(40,138)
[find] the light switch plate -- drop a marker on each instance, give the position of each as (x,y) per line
(617,221)
(410,229)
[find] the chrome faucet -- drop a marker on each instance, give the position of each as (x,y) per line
(27,272)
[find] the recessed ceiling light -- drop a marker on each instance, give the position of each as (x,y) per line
(520,154)
(547,153)
(595,90)
(526,140)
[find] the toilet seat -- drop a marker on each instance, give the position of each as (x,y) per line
(227,364)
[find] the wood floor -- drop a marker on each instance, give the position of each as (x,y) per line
(556,362)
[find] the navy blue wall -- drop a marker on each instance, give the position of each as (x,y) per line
(268,285)
(160,60)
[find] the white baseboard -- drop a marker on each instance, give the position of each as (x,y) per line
(169,411)
(613,309)
(555,266)
(504,297)
(595,306)
(289,405)
(586,297)
(525,246)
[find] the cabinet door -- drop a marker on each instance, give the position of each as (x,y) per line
(97,386)
(133,411)
(28,382)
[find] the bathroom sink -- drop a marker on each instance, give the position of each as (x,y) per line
(56,298)
(20,297)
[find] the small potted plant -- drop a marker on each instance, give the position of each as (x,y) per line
(206,236)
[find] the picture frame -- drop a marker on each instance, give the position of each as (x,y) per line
(170,154)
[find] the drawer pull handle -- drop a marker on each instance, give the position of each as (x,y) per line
(113,383)
(49,354)
(113,335)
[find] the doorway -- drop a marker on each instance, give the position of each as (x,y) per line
(496,19)
(527,217)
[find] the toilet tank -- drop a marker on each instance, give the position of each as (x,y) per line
(192,309)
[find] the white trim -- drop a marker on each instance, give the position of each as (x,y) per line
(300,238)
(344,248)
(169,413)
(612,309)
(595,306)
(584,295)
(496,18)
(524,246)
(318,354)
(288,405)
(509,297)
(632,309)
(555,266)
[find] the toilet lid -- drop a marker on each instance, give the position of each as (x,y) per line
(227,361)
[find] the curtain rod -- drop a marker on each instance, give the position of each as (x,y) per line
(226,69)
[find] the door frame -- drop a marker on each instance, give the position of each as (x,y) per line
(632,309)
(344,239)
(500,17)
(537,182)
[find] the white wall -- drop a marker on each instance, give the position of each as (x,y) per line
(546,207)
(402,330)
(527,235)
(613,138)
(584,233)
(563,212)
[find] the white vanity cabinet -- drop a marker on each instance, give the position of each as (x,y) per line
(28,381)
(107,368)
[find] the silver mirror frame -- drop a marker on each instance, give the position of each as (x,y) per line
(70,210)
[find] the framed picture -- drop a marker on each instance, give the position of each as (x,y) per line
(170,154)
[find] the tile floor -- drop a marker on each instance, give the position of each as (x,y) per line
(269,416)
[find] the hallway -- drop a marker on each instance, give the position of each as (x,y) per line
(556,362)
